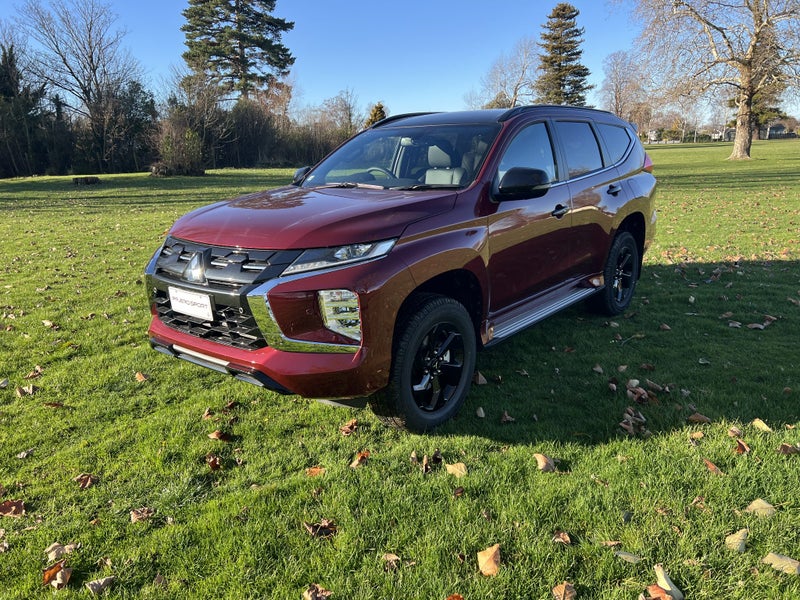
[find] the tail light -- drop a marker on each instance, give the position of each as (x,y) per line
(648,163)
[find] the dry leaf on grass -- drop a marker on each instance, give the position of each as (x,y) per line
(480,413)
(457,470)
(56,551)
(564,591)
(656,592)
(213,461)
(506,418)
(141,514)
(479,379)
(98,585)
(696,418)
(392,561)
(562,537)
(455,597)
(316,592)
(360,460)
(489,560)
(349,428)
(788,449)
(56,575)
(760,508)
(628,557)
(741,447)
(761,426)
(315,471)
(782,563)
(737,541)
(220,436)
(544,463)
(712,467)
(85,480)
(324,529)
(12,508)
(141,377)
(663,580)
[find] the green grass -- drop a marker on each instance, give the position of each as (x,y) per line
(728,241)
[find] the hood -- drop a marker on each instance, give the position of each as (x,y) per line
(295,218)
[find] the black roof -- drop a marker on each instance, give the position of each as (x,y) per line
(494,115)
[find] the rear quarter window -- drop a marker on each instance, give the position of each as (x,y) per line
(617,140)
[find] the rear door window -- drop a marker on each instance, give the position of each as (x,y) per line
(581,150)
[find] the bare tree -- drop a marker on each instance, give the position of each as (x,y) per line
(747,46)
(509,81)
(623,88)
(78,51)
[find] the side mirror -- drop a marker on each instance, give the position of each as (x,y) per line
(521,183)
(299,175)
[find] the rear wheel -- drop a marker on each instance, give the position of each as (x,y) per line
(432,366)
(621,273)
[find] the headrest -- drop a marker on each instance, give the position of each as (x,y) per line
(439,158)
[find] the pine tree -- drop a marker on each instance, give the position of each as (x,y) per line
(237,43)
(378,113)
(563,79)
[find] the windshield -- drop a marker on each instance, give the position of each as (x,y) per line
(421,157)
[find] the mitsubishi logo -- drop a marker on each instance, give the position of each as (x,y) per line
(195,271)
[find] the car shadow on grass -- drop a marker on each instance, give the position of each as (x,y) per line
(718,339)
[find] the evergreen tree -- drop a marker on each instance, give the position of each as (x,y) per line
(236,42)
(378,113)
(563,79)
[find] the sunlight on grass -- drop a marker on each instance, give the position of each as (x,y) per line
(727,251)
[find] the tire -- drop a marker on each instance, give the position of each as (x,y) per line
(432,366)
(621,272)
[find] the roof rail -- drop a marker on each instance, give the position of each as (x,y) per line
(512,112)
(392,118)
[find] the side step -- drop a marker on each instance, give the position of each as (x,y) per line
(527,318)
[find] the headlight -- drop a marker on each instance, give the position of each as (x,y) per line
(340,313)
(323,258)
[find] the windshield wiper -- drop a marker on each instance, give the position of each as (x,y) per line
(354,184)
(431,186)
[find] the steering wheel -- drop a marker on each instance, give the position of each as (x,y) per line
(382,171)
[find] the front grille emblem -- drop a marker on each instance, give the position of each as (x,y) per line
(195,271)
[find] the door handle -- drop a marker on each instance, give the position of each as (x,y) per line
(614,189)
(559,211)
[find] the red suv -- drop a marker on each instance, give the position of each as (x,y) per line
(380,271)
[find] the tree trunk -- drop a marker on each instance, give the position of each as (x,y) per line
(744,127)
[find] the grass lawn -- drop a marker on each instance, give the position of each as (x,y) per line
(714,330)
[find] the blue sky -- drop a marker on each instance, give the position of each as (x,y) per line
(413,55)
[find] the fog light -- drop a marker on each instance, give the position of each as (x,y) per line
(340,312)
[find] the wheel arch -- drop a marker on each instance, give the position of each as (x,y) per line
(634,224)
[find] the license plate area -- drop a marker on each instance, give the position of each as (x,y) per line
(192,304)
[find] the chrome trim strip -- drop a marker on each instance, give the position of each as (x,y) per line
(262,313)
(205,357)
(530,318)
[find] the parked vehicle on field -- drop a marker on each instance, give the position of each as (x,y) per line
(381,271)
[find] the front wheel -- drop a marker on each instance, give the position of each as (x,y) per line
(621,273)
(432,366)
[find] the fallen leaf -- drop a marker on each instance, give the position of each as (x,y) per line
(458,492)
(56,551)
(741,447)
(507,418)
(712,467)
(53,404)
(208,413)
(98,585)
(489,560)
(213,461)
(663,580)
(316,592)
(598,369)
(220,435)
(735,432)
(85,480)
(141,514)
(562,537)
(324,529)
(544,463)
(392,561)
(759,326)
(56,575)
(788,449)
(760,508)
(455,597)
(349,428)
(656,592)
(480,413)
(628,557)
(737,541)
(761,426)
(611,543)
(37,372)
(25,454)
(315,471)
(26,390)
(564,591)
(436,457)
(704,361)
(696,418)
(141,377)
(665,327)
(360,460)
(782,563)
(458,469)
(479,379)
(12,508)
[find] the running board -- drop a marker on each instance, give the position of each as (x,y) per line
(527,319)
